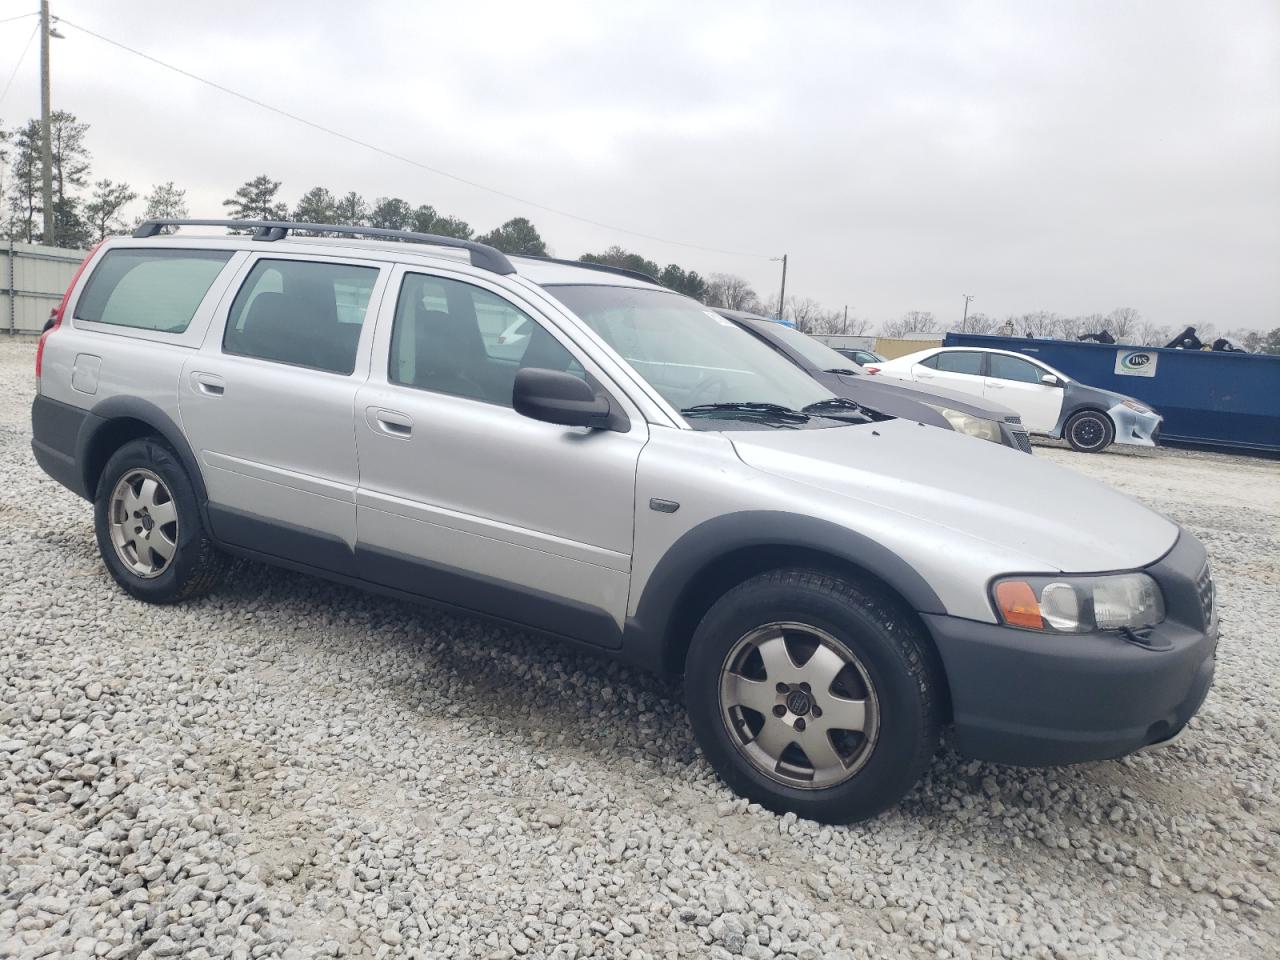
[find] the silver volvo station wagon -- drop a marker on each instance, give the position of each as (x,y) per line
(631,473)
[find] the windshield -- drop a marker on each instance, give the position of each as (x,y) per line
(818,354)
(691,355)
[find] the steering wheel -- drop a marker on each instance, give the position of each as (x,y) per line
(707,391)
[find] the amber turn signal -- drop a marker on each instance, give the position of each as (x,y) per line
(1018,604)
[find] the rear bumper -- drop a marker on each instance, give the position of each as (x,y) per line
(1025,698)
(55,440)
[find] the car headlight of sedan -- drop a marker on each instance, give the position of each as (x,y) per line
(1079,604)
(970,425)
(1137,407)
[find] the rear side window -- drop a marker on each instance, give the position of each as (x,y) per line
(301,312)
(1011,368)
(961,361)
(150,289)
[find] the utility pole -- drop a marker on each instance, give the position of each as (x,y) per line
(782,294)
(967,298)
(46,145)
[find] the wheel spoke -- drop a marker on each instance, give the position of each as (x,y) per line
(163,513)
(758,695)
(774,737)
(147,493)
(777,658)
(162,547)
(143,550)
(130,502)
(841,714)
(820,670)
(816,744)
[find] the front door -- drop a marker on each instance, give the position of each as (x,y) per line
(466,501)
(267,404)
(1016,384)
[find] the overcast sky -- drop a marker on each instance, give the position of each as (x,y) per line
(1073,157)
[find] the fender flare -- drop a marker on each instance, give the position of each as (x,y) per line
(647,634)
(106,412)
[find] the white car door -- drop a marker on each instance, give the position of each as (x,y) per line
(1018,384)
(959,370)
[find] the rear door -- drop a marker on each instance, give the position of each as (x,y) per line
(466,501)
(268,403)
(960,370)
(1016,383)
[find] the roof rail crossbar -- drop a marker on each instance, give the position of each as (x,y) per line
(603,267)
(482,255)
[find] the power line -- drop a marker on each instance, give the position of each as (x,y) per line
(17,66)
(19,16)
(63,21)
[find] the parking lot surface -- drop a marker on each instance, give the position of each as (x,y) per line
(292,769)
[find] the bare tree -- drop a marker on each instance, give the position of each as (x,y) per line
(913,321)
(1148,334)
(978,323)
(731,292)
(1123,323)
(806,314)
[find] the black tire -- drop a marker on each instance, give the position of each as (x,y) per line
(196,566)
(1090,431)
(899,663)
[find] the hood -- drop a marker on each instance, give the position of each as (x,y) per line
(1046,517)
(856,386)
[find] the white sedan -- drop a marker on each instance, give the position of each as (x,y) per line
(1050,402)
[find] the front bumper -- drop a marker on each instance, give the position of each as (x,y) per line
(1134,428)
(1035,699)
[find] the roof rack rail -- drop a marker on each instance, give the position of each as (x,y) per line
(603,267)
(482,255)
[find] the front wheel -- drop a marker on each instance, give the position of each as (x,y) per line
(1090,431)
(811,693)
(149,529)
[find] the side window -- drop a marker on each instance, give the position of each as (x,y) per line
(1011,368)
(455,338)
(301,312)
(960,361)
(150,289)
(931,362)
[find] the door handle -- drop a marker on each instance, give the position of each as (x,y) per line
(996,384)
(211,385)
(390,422)
(925,376)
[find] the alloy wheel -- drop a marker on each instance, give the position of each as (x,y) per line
(143,521)
(799,705)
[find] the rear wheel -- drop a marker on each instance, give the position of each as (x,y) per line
(1090,431)
(149,529)
(810,693)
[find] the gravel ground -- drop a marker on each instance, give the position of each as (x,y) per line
(295,769)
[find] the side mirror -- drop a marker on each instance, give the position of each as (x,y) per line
(554,396)
(1050,380)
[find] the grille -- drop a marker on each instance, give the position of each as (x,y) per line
(1022,440)
(1204,587)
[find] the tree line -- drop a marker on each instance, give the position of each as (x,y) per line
(85,210)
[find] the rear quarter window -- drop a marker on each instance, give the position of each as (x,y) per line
(156,290)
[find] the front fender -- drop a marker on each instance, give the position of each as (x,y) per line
(739,539)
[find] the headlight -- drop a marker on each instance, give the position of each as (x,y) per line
(1079,604)
(1135,405)
(970,425)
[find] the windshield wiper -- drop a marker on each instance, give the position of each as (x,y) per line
(765,412)
(845,370)
(834,405)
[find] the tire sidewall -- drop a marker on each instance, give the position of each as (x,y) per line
(160,460)
(1108,431)
(890,770)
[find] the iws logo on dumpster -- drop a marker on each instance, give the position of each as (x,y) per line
(1136,363)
